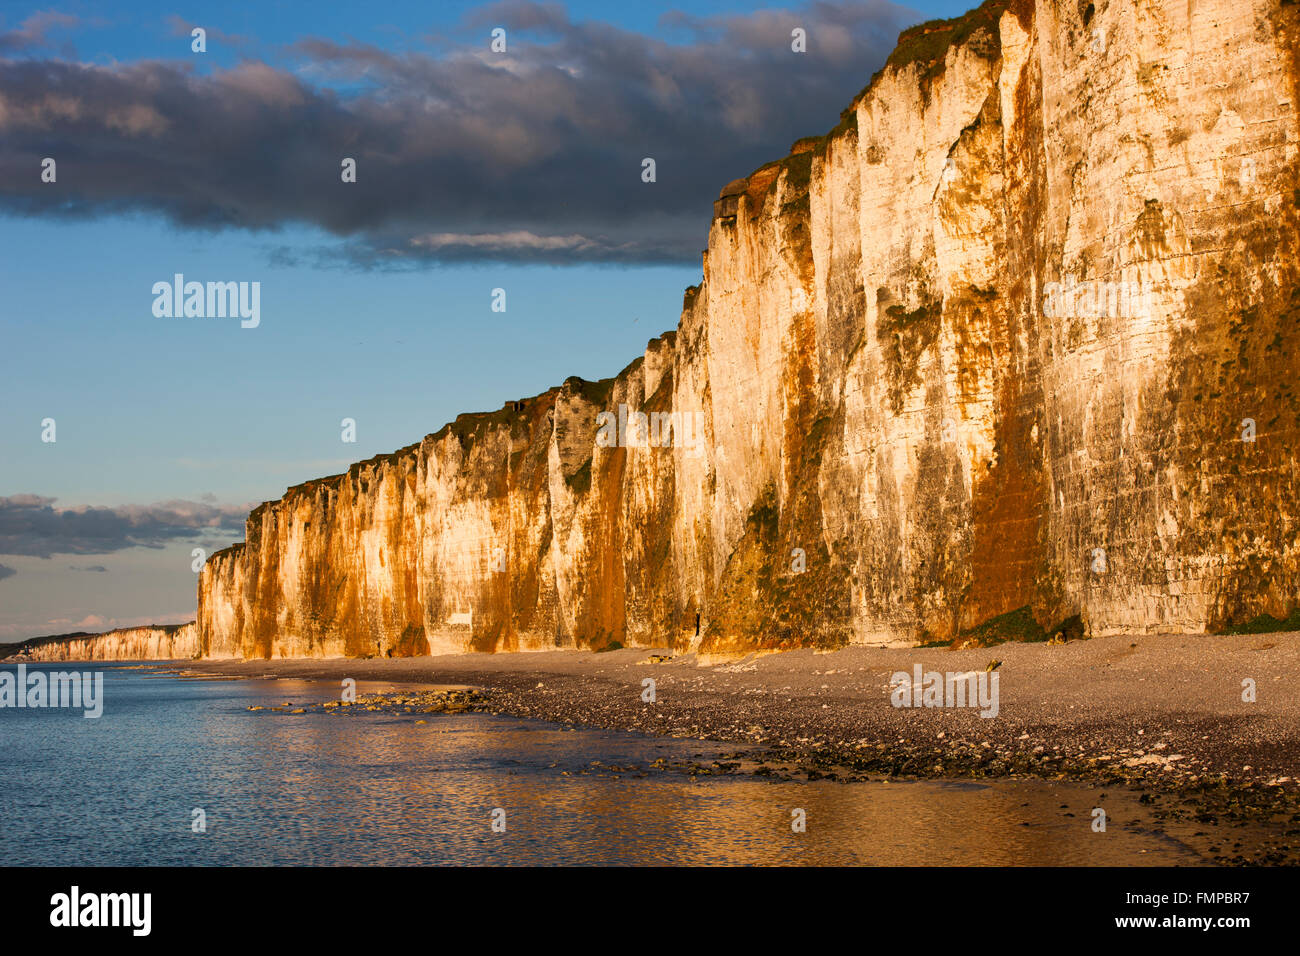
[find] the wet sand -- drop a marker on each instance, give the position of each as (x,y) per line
(1163,714)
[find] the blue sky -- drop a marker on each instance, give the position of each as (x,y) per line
(155,410)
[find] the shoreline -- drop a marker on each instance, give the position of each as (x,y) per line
(1174,699)
(1171,705)
(1163,715)
(1160,714)
(1116,705)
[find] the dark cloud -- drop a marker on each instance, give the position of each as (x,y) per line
(537,17)
(30,525)
(87,567)
(463,155)
(6,572)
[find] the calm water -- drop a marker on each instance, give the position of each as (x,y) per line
(318,788)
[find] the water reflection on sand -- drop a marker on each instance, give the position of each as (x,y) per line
(325,787)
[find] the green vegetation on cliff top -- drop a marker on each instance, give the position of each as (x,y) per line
(926,45)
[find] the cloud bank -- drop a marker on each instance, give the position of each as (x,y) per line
(31,526)
(531,155)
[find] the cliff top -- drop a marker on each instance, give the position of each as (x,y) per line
(8,650)
(928,43)
(925,45)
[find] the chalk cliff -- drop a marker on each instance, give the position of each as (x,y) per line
(1013,347)
(155,643)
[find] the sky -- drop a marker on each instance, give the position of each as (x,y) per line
(476,170)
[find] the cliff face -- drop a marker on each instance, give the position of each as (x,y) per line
(165,642)
(982,357)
